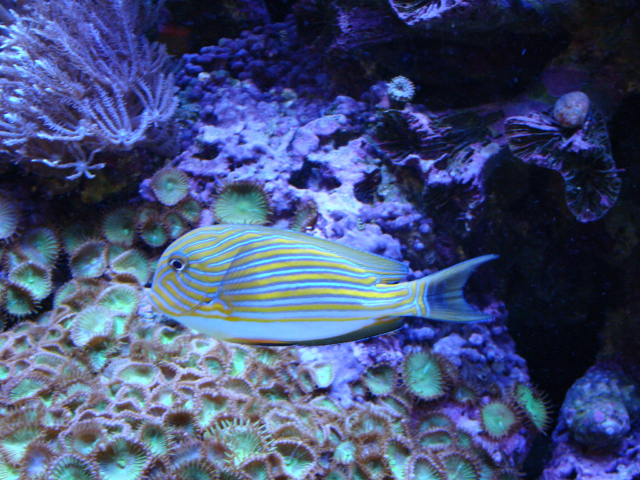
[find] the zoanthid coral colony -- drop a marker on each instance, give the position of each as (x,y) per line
(116,248)
(93,387)
(181,405)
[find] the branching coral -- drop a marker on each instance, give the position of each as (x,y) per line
(79,78)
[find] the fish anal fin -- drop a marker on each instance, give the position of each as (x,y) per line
(379,327)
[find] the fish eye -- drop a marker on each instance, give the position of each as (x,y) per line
(177,263)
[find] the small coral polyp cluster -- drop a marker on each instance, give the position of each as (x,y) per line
(28,264)
(104,393)
(119,248)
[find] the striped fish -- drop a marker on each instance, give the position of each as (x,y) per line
(266,286)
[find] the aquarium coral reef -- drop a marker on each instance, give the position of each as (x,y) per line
(428,133)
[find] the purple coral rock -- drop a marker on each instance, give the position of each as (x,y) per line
(598,408)
(571,110)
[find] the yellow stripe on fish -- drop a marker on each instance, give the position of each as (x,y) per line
(266,286)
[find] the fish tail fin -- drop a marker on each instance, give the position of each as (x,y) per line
(443,298)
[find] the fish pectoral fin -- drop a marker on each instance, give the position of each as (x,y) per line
(233,283)
(206,298)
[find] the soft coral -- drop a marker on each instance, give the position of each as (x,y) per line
(78,78)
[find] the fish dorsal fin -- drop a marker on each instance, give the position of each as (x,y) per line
(389,271)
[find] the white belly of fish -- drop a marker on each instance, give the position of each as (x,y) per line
(273,331)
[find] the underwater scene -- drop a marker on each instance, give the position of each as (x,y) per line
(319,239)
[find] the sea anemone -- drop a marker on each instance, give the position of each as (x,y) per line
(244,440)
(145,213)
(189,209)
(436,438)
(345,453)
(432,419)
(394,134)
(181,422)
(458,466)
(424,467)
(592,185)
(132,262)
(122,459)
(583,158)
(71,467)
(305,217)
(75,235)
(398,454)
(154,437)
(533,405)
(12,258)
(83,436)
(396,404)
(119,226)
(34,278)
(316,375)
(499,419)
(170,185)
(242,202)
(298,458)
(9,218)
(36,459)
(41,245)
(143,374)
(257,468)
(373,465)
(18,301)
(401,89)
(153,232)
(113,252)
(465,394)
(380,379)
(121,299)
(21,389)
(89,260)
(213,364)
(92,323)
(423,375)
(195,469)
(338,473)
(15,440)
(369,423)
(174,224)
